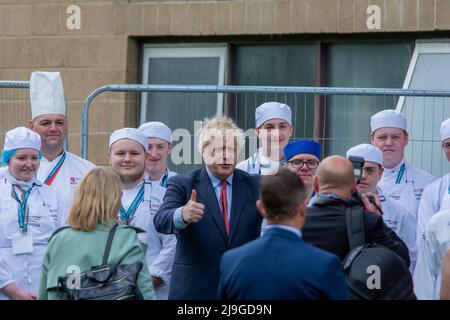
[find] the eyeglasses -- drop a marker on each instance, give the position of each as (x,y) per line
(298,164)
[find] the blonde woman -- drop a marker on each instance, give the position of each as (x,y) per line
(75,249)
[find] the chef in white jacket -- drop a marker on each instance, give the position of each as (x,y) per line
(59,168)
(436,196)
(273,129)
(29,213)
(159,148)
(433,244)
(401,181)
(395,216)
(141,200)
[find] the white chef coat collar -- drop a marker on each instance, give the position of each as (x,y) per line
(395,169)
(136,187)
(263,161)
(159,180)
(266,162)
(43,159)
(379,192)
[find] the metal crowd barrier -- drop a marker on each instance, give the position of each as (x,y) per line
(337,117)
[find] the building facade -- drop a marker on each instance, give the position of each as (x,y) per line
(336,43)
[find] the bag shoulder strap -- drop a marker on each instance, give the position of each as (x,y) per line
(355,226)
(109,243)
(57,231)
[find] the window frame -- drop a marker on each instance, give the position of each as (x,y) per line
(183,50)
(423,46)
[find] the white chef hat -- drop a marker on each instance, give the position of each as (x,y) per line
(388,119)
(47,94)
(272,110)
(20,138)
(156,129)
(445,129)
(128,133)
(366,151)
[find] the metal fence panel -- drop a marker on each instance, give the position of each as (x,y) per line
(345,119)
(14,106)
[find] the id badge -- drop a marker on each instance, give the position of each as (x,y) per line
(22,244)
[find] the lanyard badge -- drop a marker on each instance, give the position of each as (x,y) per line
(52,175)
(24,242)
(126,215)
(22,208)
(400,174)
(164,180)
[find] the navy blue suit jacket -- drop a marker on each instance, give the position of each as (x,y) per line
(195,272)
(280,266)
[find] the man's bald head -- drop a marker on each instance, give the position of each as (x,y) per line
(335,173)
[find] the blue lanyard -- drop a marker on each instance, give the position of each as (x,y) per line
(400,174)
(253,163)
(22,210)
(52,175)
(126,215)
(164,180)
(448,190)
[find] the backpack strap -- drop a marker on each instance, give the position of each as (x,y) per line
(109,243)
(57,231)
(355,226)
(136,229)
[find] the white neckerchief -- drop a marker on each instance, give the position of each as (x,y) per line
(266,162)
(267,165)
(26,184)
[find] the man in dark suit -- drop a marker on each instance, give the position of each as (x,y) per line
(210,210)
(325,225)
(280,265)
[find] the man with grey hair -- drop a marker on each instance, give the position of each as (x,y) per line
(211,210)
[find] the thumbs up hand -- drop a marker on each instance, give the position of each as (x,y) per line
(192,212)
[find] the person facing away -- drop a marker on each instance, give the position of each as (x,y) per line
(394,215)
(326,226)
(302,157)
(59,168)
(280,265)
(211,210)
(30,212)
(141,199)
(94,212)
(401,181)
(273,129)
(159,148)
(436,195)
